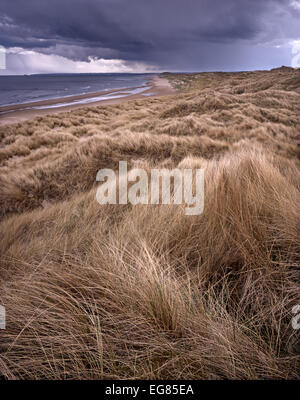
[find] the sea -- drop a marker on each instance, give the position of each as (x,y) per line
(22,89)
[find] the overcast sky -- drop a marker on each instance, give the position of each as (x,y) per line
(41,36)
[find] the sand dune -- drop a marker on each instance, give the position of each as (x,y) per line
(107,292)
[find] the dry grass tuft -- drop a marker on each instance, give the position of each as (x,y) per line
(146,292)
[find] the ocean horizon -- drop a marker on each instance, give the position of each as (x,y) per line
(22,89)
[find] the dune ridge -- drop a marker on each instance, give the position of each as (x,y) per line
(146,292)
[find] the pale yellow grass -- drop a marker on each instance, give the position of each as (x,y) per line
(98,292)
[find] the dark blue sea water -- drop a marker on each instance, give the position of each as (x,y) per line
(19,89)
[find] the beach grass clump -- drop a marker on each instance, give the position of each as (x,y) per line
(145,291)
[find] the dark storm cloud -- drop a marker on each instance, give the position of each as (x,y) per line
(183,33)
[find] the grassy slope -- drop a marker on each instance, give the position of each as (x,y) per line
(145,291)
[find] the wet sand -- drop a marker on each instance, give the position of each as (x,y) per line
(10,114)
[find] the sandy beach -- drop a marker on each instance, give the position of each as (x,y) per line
(10,114)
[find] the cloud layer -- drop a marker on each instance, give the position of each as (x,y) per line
(148,35)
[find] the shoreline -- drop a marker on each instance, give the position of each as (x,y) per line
(16,113)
